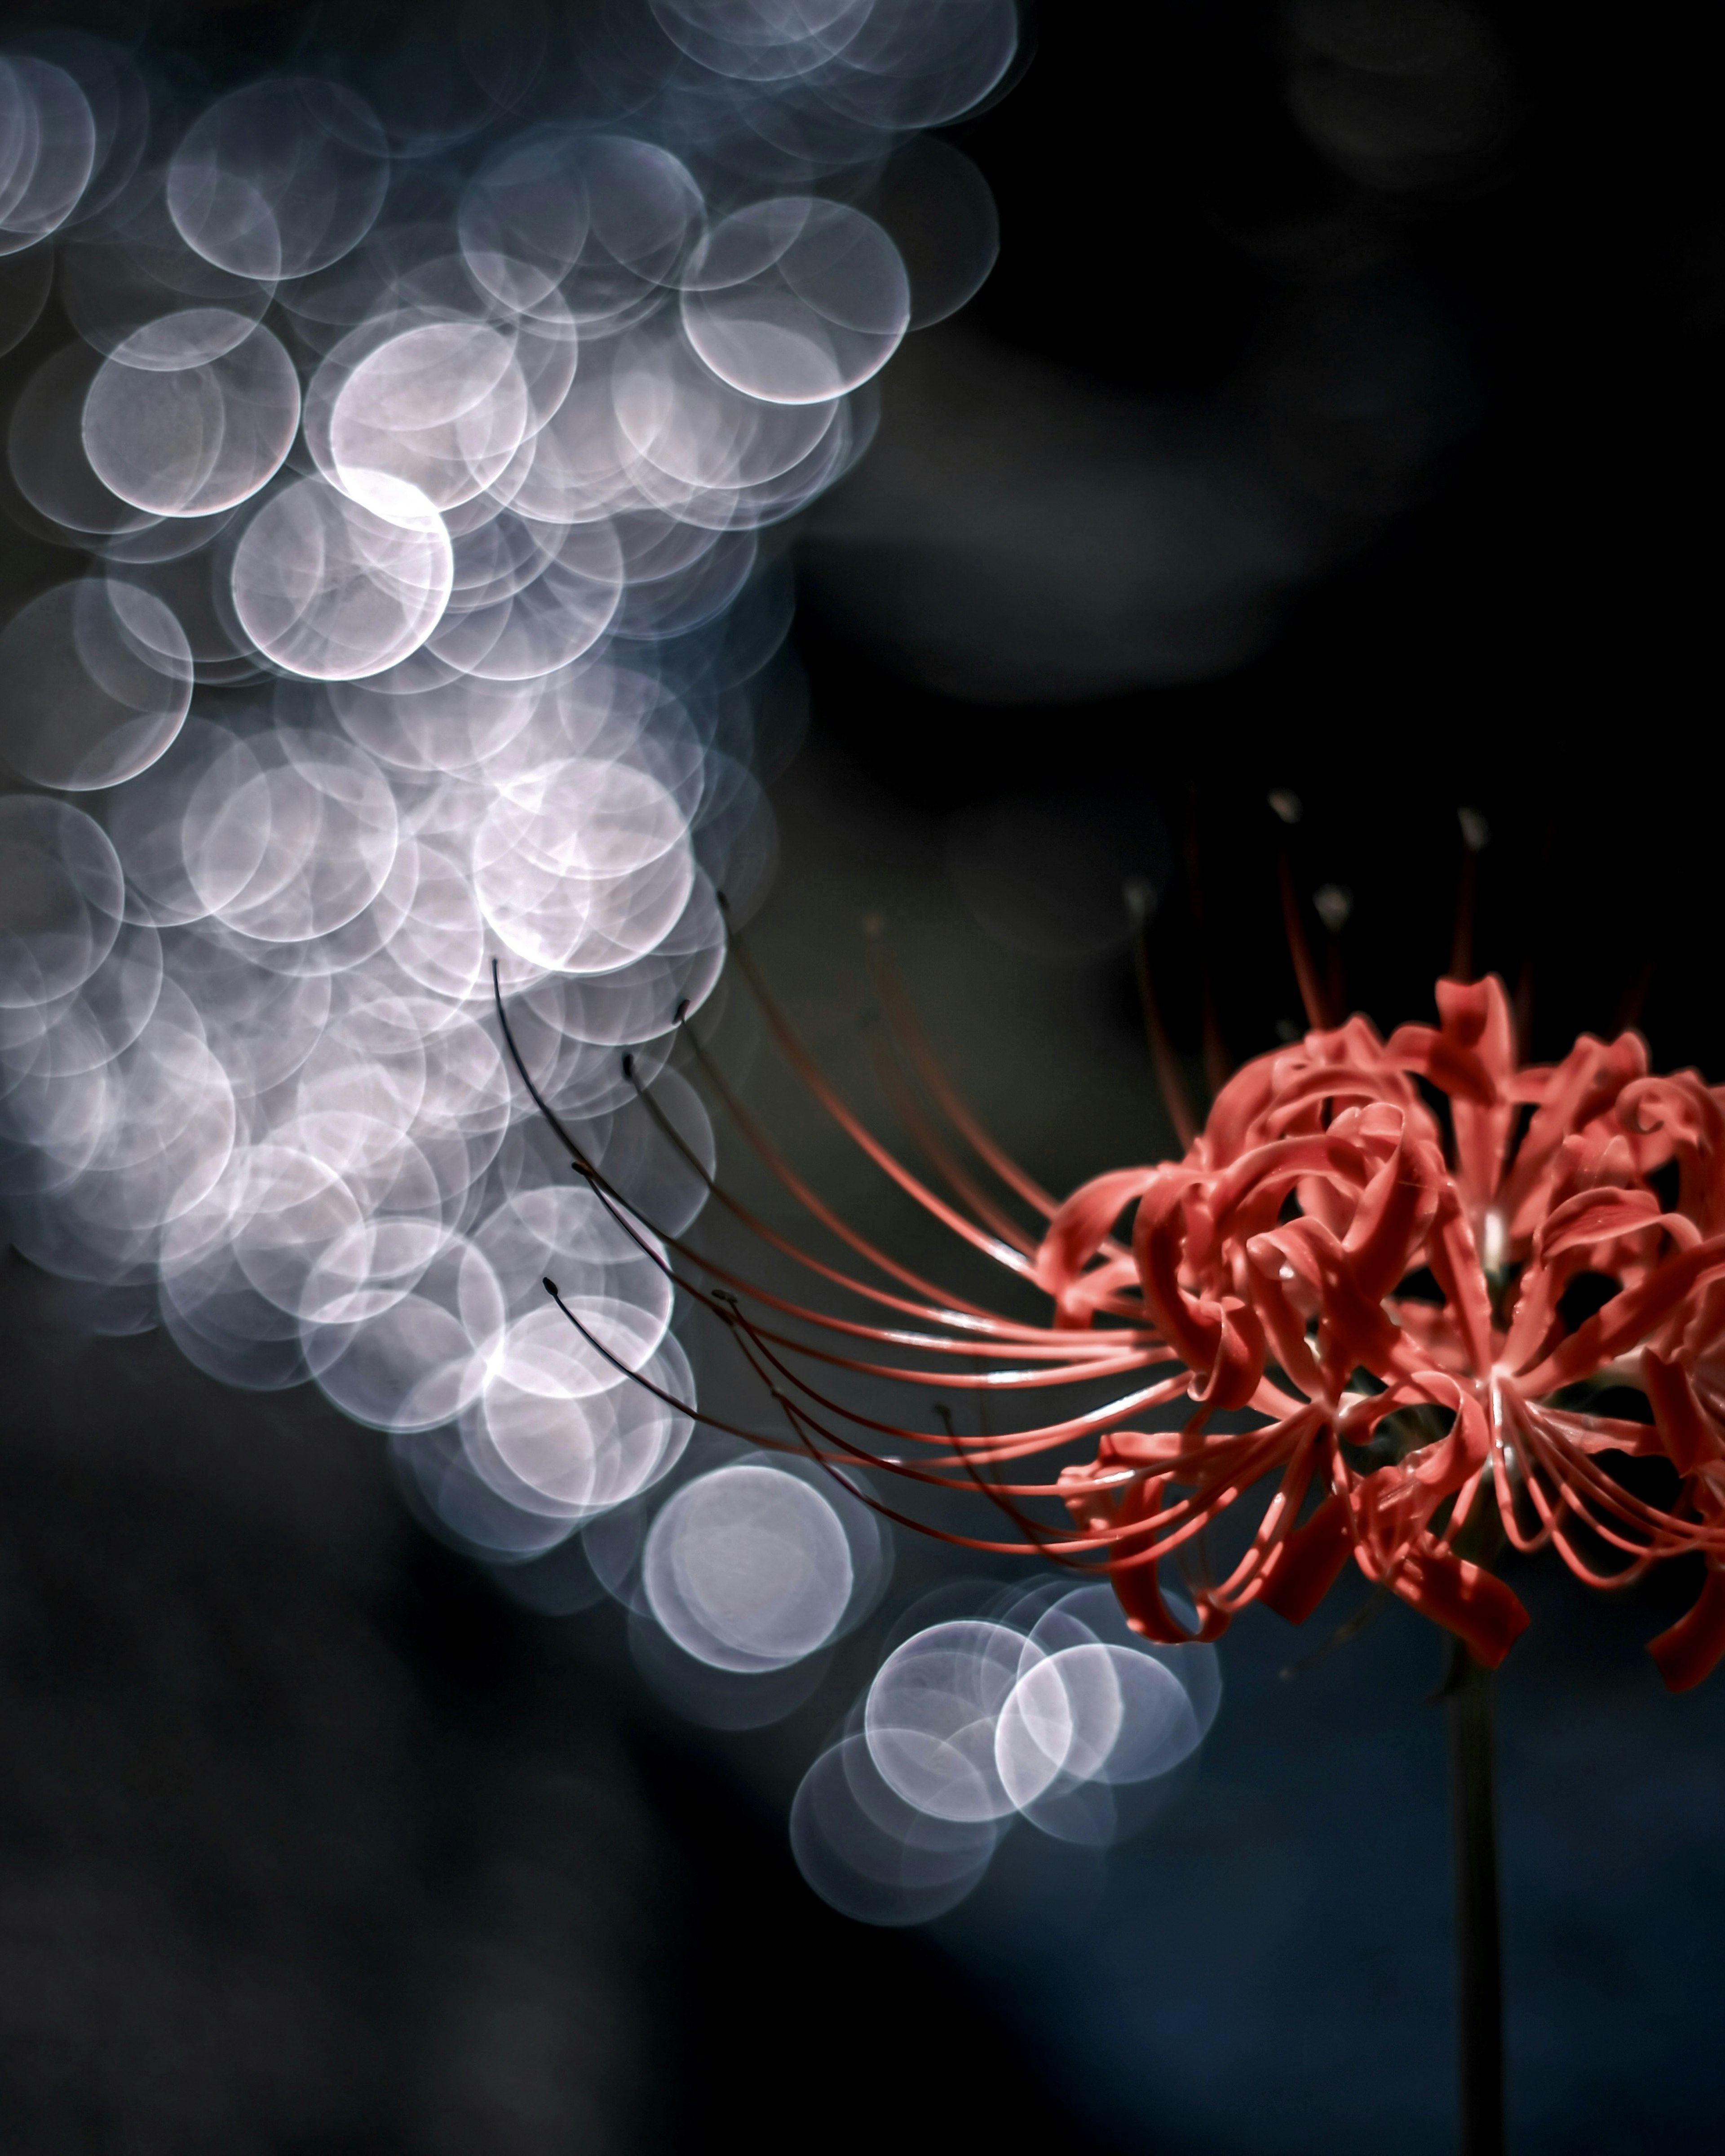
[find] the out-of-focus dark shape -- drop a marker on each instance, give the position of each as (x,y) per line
(940,215)
(1018,535)
(1021,536)
(1403,96)
(1043,874)
(25,281)
(284,1869)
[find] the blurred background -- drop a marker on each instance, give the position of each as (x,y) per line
(1339,423)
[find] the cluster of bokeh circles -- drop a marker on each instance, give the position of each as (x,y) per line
(990,1704)
(411,452)
(419,475)
(1044,1707)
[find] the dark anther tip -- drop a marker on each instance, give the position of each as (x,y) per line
(549,1285)
(680,1013)
(628,1065)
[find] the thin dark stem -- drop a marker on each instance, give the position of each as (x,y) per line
(1479,1953)
(1312,995)
(1218,1068)
(1163,1059)
(1461,946)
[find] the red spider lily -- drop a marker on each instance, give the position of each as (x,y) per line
(1365,1251)
(1278,1258)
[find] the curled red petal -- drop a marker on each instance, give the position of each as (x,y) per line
(1193,1326)
(1627,1318)
(1594,1216)
(1690,1434)
(1140,1596)
(1284,1323)
(1308,1562)
(1473,1604)
(1234,1375)
(1392,1221)
(1689,1649)
(1081,1226)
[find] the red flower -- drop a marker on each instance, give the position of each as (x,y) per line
(1365,1258)
(1328,1254)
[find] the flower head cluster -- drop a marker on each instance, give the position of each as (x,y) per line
(1374,1244)
(1390,1288)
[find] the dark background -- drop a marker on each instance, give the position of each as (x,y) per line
(1474,338)
(310,1840)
